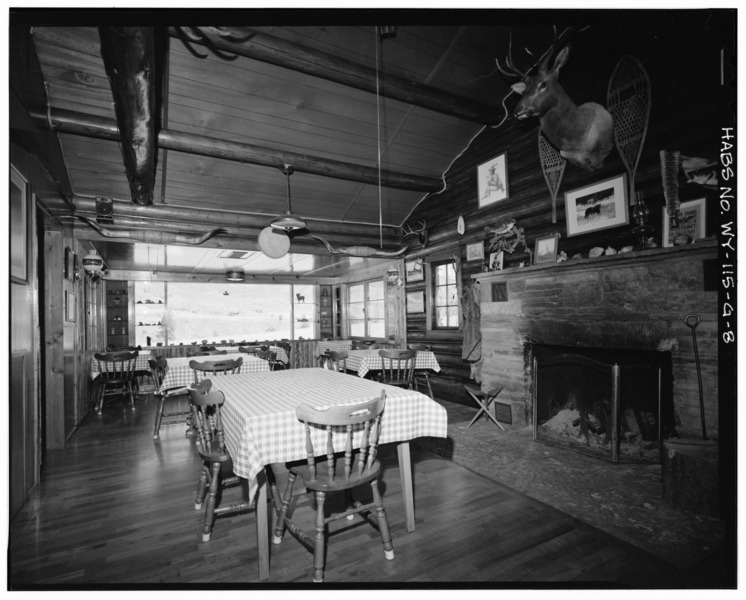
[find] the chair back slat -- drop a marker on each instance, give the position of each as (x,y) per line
(115,366)
(398,366)
(215,367)
(207,418)
(158,367)
(366,414)
(249,349)
(337,360)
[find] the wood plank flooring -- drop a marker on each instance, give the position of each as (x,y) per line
(115,511)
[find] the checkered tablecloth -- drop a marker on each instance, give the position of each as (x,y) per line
(336,345)
(141,364)
(259,414)
(362,361)
(179,374)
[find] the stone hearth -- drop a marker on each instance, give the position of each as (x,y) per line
(635,301)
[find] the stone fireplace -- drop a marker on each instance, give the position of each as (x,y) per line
(632,303)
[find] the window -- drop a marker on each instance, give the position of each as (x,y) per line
(366,309)
(176,313)
(445,295)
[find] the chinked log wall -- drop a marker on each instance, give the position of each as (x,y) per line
(683,117)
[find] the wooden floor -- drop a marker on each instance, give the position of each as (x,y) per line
(115,510)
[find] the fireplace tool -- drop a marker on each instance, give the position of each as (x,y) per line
(692,321)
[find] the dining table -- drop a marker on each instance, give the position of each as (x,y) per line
(280,353)
(363,361)
(180,375)
(261,427)
(335,345)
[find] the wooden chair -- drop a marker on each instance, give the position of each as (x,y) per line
(336,361)
(334,472)
(217,465)
(250,349)
(117,376)
(211,352)
(159,367)
(207,348)
(421,373)
(270,357)
(215,367)
(398,367)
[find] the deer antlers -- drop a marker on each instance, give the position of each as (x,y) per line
(421,232)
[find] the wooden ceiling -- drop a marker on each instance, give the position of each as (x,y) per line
(235,101)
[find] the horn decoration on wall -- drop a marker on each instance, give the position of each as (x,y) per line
(366,251)
(155,237)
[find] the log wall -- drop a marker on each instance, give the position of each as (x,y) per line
(681,58)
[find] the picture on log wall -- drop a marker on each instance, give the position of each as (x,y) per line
(691,222)
(598,206)
(492,180)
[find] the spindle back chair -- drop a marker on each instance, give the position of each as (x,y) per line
(334,467)
(116,376)
(398,367)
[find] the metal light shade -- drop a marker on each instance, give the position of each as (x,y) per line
(234,276)
(93,263)
(288,221)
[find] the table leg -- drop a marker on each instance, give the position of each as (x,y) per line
(262,527)
(405,472)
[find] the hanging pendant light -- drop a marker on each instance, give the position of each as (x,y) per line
(288,221)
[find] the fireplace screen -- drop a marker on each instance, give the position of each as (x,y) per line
(608,408)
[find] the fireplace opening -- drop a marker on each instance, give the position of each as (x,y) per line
(615,404)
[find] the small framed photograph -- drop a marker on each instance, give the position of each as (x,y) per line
(496,261)
(475,251)
(598,206)
(545,249)
(69,264)
(18,227)
(691,221)
(416,302)
(500,292)
(414,270)
(492,180)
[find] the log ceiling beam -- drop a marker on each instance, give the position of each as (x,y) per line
(250,43)
(170,217)
(75,123)
(129,60)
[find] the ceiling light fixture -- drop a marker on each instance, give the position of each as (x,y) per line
(234,276)
(288,221)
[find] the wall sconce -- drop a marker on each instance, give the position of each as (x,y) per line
(93,264)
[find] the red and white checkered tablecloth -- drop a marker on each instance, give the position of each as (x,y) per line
(180,375)
(362,361)
(336,345)
(141,364)
(261,427)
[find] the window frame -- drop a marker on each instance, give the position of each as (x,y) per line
(432,264)
(366,299)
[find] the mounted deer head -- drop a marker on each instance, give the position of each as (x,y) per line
(583,134)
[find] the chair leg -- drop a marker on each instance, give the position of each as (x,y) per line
(159,417)
(383,525)
(101,395)
(202,485)
(429,389)
(287,496)
(318,541)
(212,499)
(132,394)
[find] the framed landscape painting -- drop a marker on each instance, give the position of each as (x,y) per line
(598,206)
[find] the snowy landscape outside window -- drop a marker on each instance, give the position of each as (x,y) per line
(366,309)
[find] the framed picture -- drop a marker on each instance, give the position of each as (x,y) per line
(70,306)
(500,292)
(545,249)
(598,206)
(492,180)
(69,264)
(415,302)
(496,261)
(475,251)
(691,221)
(18,227)
(414,269)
